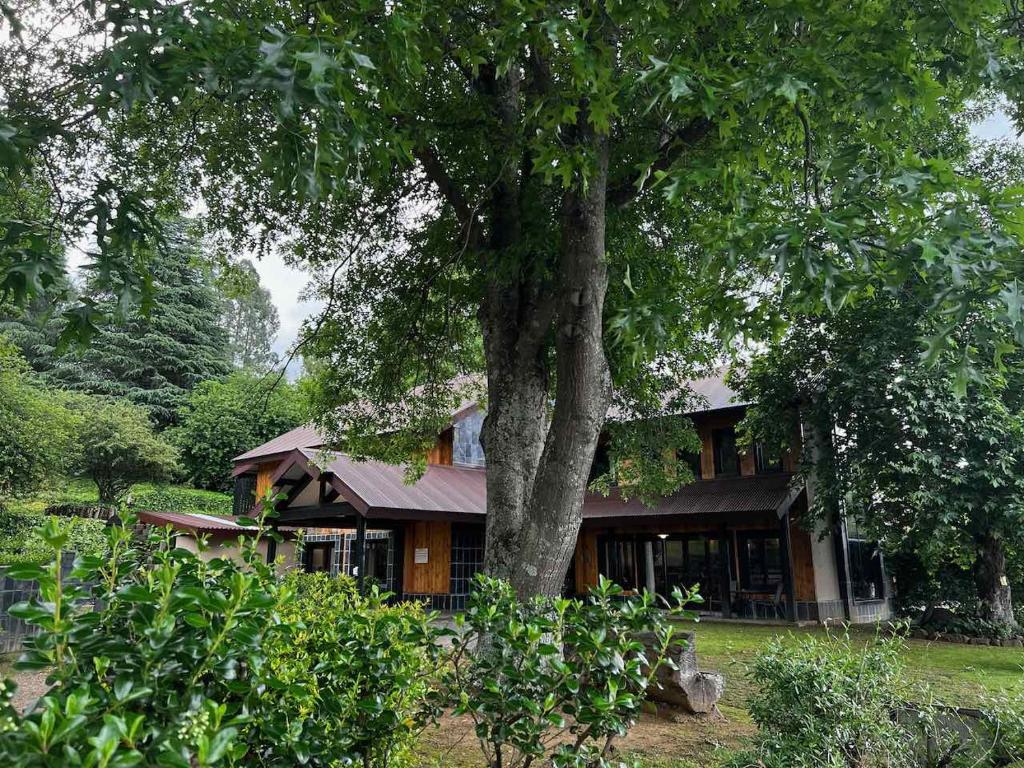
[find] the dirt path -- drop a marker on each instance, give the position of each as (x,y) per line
(655,740)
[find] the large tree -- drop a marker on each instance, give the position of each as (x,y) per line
(152,358)
(586,186)
(922,466)
(250,317)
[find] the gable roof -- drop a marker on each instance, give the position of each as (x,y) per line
(711,394)
(377,490)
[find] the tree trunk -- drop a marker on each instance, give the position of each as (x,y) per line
(554,510)
(994,598)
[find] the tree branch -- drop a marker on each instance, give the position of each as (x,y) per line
(623,193)
(451,192)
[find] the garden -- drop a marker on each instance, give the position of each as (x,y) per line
(154,656)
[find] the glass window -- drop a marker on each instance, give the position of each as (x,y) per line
(767,459)
(467,557)
(318,556)
(693,461)
(727,460)
(760,561)
(867,574)
(466,448)
(617,561)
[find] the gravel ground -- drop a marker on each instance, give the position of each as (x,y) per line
(31,686)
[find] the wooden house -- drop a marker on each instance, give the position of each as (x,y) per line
(740,530)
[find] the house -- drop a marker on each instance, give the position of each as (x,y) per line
(739,530)
(221,536)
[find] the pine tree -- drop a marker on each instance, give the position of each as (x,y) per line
(153,360)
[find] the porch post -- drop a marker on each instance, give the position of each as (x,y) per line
(359,556)
(649,566)
(785,552)
(725,582)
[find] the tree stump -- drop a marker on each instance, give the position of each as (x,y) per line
(686,687)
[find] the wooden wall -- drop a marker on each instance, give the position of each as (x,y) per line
(803,565)
(442,451)
(705,423)
(263,477)
(434,576)
(586,560)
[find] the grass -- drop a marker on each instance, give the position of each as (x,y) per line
(962,675)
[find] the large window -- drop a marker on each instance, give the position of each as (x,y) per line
(319,556)
(466,448)
(467,557)
(760,561)
(727,460)
(867,574)
(682,561)
(619,560)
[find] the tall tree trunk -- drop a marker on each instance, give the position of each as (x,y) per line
(994,597)
(554,509)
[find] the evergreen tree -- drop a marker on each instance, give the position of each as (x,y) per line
(152,359)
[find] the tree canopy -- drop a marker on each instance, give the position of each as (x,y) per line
(567,194)
(224,418)
(250,317)
(151,358)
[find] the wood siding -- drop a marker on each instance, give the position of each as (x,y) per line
(803,565)
(263,477)
(434,576)
(442,451)
(586,561)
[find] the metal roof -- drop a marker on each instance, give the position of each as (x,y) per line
(375,489)
(711,393)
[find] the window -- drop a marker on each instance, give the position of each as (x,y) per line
(602,463)
(378,567)
(467,557)
(693,461)
(767,459)
(318,556)
(617,561)
(867,574)
(466,448)
(760,561)
(245,495)
(727,460)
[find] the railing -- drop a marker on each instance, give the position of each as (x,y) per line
(13,591)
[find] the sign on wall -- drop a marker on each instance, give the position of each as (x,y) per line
(421,555)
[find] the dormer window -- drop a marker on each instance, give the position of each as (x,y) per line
(766,459)
(466,448)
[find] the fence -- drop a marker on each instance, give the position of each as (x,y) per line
(13,591)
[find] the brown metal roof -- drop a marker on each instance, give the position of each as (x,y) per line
(196,523)
(711,394)
(758,493)
(376,489)
(300,437)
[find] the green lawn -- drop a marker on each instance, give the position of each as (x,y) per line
(957,674)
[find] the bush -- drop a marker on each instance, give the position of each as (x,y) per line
(179,498)
(20,541)
(371,664)
(553,681)
(120,448)
(819,702)
(226,417)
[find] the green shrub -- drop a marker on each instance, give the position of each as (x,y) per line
(554,681)
(820,702)
(20,541)
(179,498)
(372,664)
(183,663)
